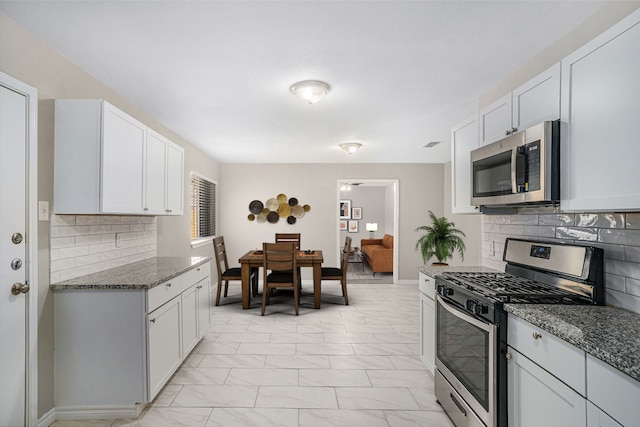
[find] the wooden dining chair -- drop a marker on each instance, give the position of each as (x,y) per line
(289,237)
(333,273)
(225,274)
(279,265)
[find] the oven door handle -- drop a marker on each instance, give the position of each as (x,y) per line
(485,326)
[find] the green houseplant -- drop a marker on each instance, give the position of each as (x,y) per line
(441,240)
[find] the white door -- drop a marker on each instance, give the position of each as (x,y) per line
(13,253)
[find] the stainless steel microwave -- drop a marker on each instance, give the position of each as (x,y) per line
(520,169)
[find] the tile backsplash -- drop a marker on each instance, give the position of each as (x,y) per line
(617,233)
(85,244)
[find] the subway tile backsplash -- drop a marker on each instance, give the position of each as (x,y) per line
(85,244)
(617,233)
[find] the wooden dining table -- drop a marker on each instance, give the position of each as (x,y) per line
(255,259)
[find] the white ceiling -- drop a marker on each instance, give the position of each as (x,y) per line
(218,72)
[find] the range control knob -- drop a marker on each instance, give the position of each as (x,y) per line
(481,308)
(448,291)
(471,305)
(440,289)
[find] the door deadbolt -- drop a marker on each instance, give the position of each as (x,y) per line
(20,288)
(16,238)
(16,263)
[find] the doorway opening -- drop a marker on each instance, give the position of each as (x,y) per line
(368,209)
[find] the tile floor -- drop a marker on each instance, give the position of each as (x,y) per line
(353,365)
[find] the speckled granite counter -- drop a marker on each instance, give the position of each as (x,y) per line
(143,274)
(433,270)
(607,333)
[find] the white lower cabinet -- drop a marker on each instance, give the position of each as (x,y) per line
(597,418)
(115,349)
(164,344)
(427,321)
(537,398)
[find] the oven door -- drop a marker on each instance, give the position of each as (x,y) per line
(466,358)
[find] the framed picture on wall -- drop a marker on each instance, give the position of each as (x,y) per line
(345,209)
(356,213)
(353,226)
(343,225)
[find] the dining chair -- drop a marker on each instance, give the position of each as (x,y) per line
(226,274)
(289,237)
(279,269)
(333,273)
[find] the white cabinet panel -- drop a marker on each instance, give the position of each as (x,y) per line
(597,418)
(537,398)
(538,100)
(175,180)
(464,139)
(600,104)
(155,173)
(190,336)
(164,344)
(204,306)
(495,120)
(427,332)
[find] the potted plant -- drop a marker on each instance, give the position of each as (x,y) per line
(441,240)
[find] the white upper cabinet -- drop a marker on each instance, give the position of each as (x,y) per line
(600,104)
(464,139)
(535,101)
(108,162)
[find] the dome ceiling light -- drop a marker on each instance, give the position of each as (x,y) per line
(351,147)
(310,91)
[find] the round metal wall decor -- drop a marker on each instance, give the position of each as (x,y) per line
(277,207)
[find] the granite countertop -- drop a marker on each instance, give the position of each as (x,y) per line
(143,274)
(607,333)
(434,270)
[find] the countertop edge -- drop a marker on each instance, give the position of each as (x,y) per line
(95,280)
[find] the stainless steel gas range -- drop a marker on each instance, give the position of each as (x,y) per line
(471,324)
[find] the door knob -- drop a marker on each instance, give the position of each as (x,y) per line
(16,238)
(20,288)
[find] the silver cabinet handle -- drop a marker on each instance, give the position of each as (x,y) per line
(537,335)
(168,285)
(152,320)
(508,356)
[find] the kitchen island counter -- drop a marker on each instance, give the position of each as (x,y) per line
(143,274)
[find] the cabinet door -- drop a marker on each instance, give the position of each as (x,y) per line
(155,173)
(536,398)
(175,179)
(190,336)
(464,139)
(123,141)
(427,331)
(164,344)
(204,306)
(538,100)
(494,121)
(600,104)
(597,418)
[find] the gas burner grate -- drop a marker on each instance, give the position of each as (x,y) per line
(508,288)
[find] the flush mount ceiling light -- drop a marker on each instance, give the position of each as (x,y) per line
(351,147)
(431,144)
(310,91)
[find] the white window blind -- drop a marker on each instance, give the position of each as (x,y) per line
(203,207)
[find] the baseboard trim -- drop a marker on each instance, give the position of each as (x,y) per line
(47,419)
(98,413)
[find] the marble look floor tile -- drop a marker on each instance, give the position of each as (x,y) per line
(206,347)
(211,376)
(296,338)
(386,349)
(266,348)
(370,329)
(253,417)
(342,418)
(334,377)
(243,337)
(215,329)
(168,417)
(418,419)
(193,360)
(297,362)
(216,396)
(297,397)
(233,361)
(407,362)
(399,378)
(279,377)
(398,338)
(328,349)
(350,338)
(321,328)
(273,328)
(426,398)
(409,329)
(166,395)
(360,362)
(375,398)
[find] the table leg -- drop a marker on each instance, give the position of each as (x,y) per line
(317,278)
(246,278)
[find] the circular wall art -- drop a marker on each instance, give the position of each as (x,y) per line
(274,208)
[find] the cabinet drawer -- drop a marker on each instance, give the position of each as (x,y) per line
(427,285)
(162,293)
(558,357)
(613,391)
(196,274)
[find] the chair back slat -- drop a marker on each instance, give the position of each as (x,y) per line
(344,261)
(220,252)
(279,256)
(289,237)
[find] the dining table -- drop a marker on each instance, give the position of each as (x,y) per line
(255,259)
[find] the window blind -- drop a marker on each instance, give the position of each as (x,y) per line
(203,207)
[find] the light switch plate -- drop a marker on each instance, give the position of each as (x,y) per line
(43,210)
